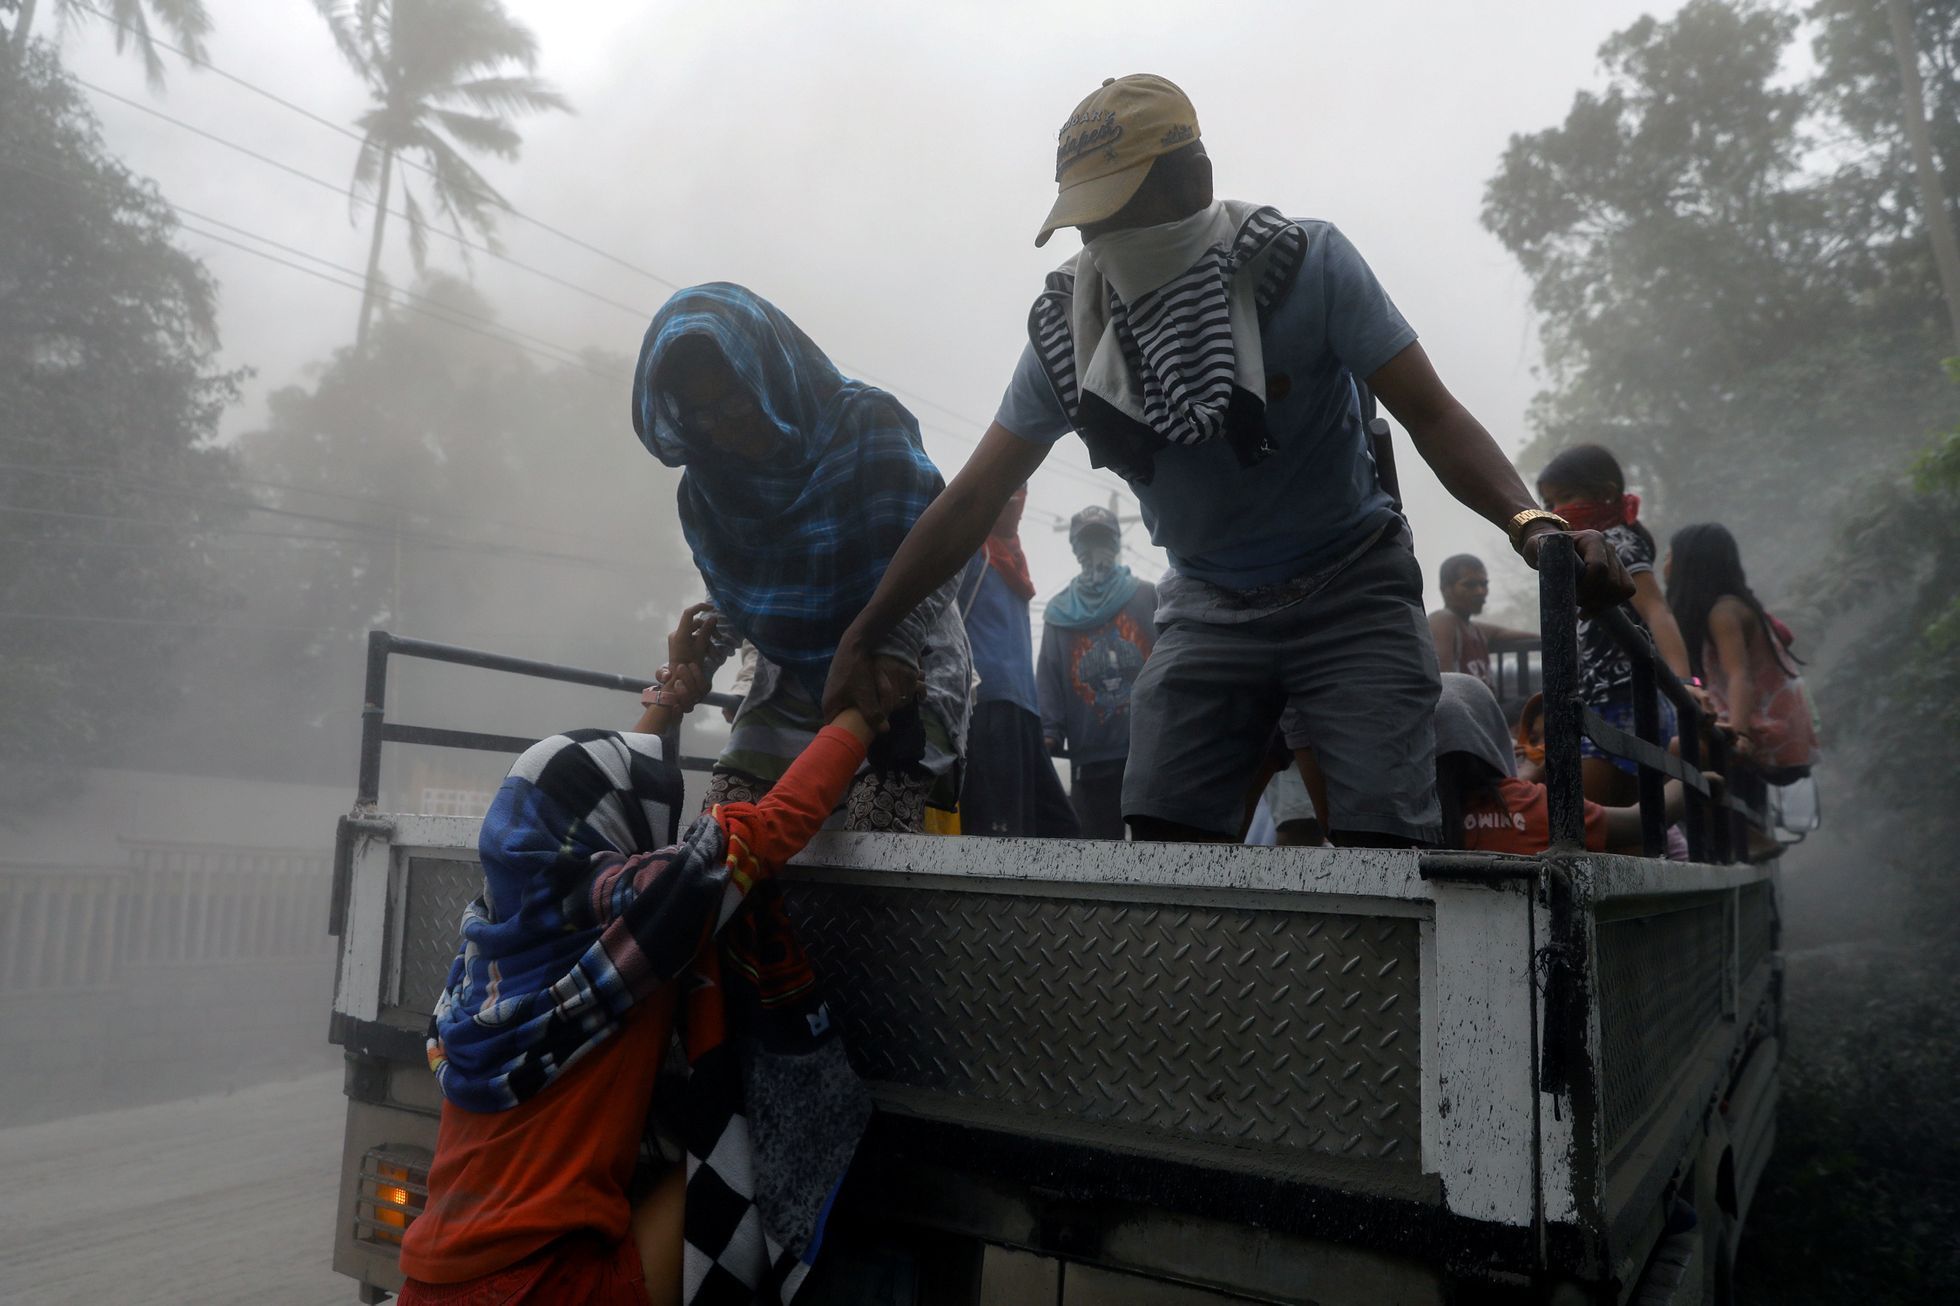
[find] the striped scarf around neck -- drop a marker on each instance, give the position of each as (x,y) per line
(1151,336)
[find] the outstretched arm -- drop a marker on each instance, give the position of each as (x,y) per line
(1474,470)
(1651,604)
(782,821)
(945,536)
(684,679)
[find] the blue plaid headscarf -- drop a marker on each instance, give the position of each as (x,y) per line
(791,549)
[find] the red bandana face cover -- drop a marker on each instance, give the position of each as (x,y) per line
(1004,551)
(1601,514)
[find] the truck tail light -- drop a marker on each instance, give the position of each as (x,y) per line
(393,1189)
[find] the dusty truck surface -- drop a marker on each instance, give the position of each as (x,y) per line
(1159,1073)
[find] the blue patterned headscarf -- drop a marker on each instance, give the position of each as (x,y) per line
(792,548)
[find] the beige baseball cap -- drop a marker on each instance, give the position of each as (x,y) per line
(1106,147)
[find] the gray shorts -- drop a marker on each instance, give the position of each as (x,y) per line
(1351,670)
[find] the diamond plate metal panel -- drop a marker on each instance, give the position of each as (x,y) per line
(1755,930)
(438,890)
(1661,985)
(1289,1032)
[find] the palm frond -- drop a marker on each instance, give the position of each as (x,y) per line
(462,185)
(345,23)
(445,43)
(480,34)
(394,126)
(509,95)
(478,132)
(133,28)
(464,196)
(185,20)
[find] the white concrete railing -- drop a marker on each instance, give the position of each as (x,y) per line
(80,927)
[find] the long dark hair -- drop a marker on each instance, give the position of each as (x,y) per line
(1594,471)
(1706,566)
(1464,780)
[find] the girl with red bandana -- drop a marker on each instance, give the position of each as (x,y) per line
(1585,486)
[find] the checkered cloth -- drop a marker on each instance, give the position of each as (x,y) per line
(580,919)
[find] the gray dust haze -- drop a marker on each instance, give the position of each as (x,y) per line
(182,632)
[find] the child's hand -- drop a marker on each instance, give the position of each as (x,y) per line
(685,683)
(693,638)
(1704,704)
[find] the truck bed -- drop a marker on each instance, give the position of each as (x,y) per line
(1278,1074)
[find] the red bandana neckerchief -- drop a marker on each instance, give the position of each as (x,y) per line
(1601,514)
(1004,552)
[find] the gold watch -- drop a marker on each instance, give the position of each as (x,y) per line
(1517,524)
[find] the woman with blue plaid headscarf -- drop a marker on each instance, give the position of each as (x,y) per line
(798,485)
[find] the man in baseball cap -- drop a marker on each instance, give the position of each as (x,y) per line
(1107,145)
(1217,355)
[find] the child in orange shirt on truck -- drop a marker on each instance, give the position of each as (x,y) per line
(591,945)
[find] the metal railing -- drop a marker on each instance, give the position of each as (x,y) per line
(377,730)
(1717,823)
(1515,670)
(83,928)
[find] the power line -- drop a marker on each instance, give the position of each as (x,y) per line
(435,308)
(92,472)
(1089,478)
(375,536)
(56,542)
(94,619)
(407,307)
(338,189)
(181,491)
(436,305)
(332,126)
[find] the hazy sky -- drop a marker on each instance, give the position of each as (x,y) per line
(879,170)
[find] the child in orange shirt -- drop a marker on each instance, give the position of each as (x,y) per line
(1486,807)
(590,946)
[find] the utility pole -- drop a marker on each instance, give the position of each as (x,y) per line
(1932,195)
(1116,510)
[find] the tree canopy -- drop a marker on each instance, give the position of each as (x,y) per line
(1891,694)
(1732,295)
(464,492)
(186,20)
(108,560)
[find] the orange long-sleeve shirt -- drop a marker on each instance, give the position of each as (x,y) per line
(506,1183)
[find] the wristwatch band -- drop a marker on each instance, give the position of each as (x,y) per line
(1517,524)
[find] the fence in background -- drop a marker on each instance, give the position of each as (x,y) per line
(81,928)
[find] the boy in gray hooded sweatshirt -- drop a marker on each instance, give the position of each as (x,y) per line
(1095,637)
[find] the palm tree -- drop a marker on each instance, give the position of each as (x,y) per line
(440,73)
(184,19)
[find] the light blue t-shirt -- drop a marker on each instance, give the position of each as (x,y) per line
(997,626)
(1317,495)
